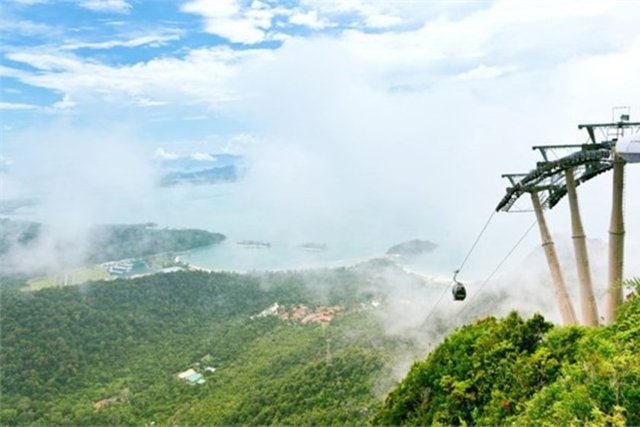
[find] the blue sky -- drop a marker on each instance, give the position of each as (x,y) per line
(343,107)
(109,59)
(174,68)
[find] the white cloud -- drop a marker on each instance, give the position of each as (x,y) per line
(45,60)
(166,155)
(66,103)
(30,2)
(78,168)
(484,72)
(196,118)
(146,102)
(17,106)
(382,21)
(503,35)
(106,6)
(152,40)
(234,21)
(309,19)
(202,76)
(3,160)
(13,26)
(239,144)
(12,72)
(360,155)
(372,14)
(520,34)
(203,157)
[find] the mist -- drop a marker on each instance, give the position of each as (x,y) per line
(358,140)
(80,178)
(344,149)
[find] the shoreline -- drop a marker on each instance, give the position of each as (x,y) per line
(349,262)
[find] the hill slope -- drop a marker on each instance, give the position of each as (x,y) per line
(108,353)
(525,372)
(22,243)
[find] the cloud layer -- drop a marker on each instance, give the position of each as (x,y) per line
(361,117)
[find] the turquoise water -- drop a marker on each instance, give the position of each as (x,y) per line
(280,256)
(349,239)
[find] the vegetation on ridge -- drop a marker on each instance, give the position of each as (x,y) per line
(525,372)
(108,353)
(109,242)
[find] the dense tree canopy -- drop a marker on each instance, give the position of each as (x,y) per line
(108,353)
(103,243)
(512,371)
(66,349)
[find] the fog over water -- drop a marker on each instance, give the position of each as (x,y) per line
(86,178)
(352,138)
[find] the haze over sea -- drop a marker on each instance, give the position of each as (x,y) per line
(363,124)
(223,208)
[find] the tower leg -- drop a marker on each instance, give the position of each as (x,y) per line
(564,303)
(616,243)
(587,299)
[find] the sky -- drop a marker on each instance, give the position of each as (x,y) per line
(352,115)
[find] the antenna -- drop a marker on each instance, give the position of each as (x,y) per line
(623,110)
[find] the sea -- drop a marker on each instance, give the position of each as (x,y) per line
(345,239)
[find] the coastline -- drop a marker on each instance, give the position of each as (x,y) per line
(343,263)
(348,262)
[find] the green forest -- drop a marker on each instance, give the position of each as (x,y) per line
(109,353)
(108,242)
(65,349)
(118,241)
(525,372)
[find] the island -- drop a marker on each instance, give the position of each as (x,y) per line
(313,247)
(412,248)
(254,244)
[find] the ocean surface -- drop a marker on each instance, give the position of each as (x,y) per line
(348,239)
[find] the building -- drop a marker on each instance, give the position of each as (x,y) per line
(128,268)
(191,377)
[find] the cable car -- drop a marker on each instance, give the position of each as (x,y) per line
(458,291)
(628,147)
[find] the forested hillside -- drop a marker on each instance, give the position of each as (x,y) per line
(118,241)
(525,372)
(108,353)
(19,240)
(296,348)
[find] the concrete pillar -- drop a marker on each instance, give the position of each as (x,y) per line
(564,303)
(587,299)
(616,243)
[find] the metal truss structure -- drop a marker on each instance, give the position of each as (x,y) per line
(551,180)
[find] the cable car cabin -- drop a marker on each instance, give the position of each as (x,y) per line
(628,147)
(458,291)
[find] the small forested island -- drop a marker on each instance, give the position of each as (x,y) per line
(412,248)
(254,244)
(313,247)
